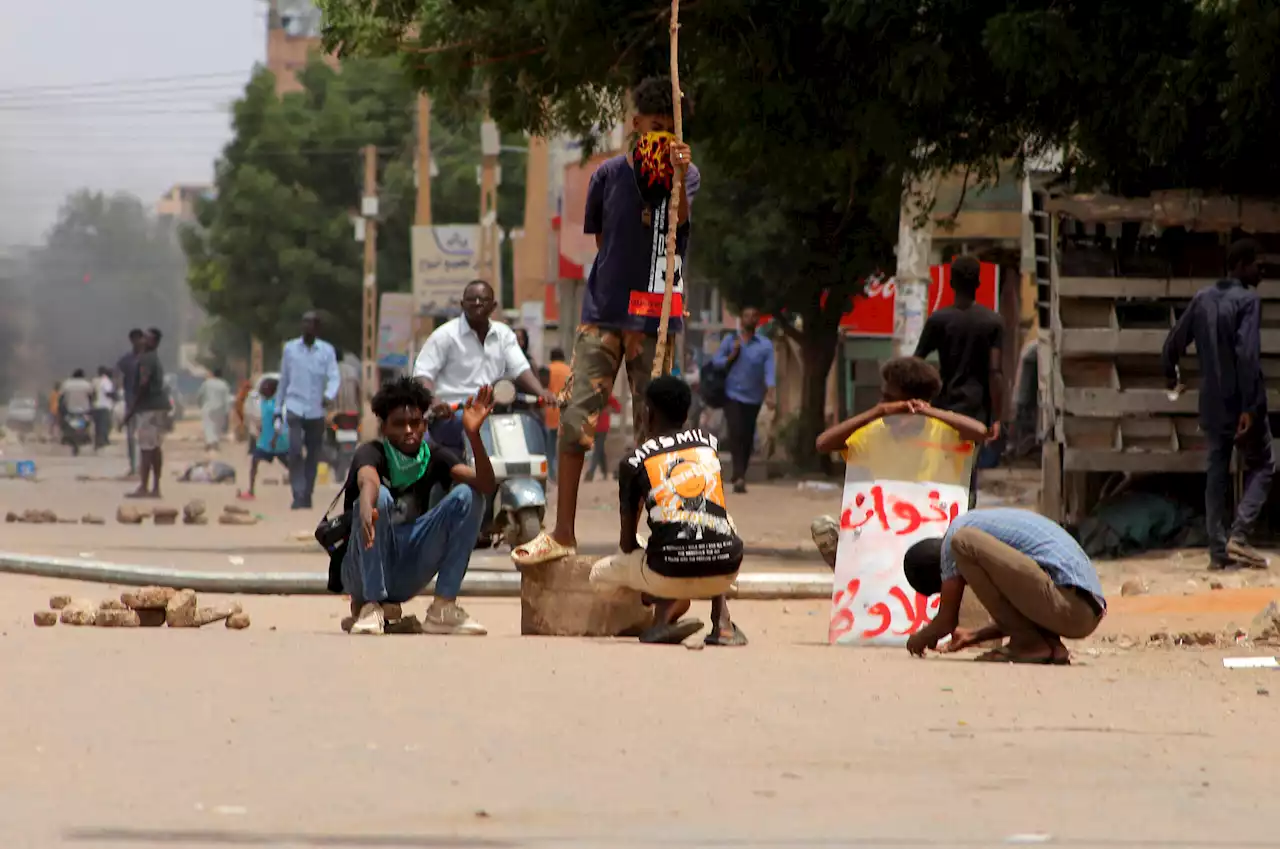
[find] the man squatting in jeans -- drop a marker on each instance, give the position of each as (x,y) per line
(628,201)
(1225,321)
(397,545)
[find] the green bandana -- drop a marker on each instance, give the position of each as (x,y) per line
(404,471)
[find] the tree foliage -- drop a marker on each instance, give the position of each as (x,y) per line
(277,239)
(811,117)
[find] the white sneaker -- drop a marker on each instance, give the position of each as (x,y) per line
(446,617)
(370,621)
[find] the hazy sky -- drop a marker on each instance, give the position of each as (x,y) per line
(128,95)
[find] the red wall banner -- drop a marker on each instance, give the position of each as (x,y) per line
(872,313)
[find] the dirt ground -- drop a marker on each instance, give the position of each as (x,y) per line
(293,734)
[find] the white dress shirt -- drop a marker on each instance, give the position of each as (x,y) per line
(457,364)
(308,378)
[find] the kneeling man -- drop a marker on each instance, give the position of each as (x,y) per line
(1034,579)
(397,545)
(694,551)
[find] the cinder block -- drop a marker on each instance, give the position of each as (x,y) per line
(558,600)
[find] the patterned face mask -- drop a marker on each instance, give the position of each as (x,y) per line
(651,159)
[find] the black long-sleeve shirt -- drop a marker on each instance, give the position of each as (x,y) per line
(1225,322)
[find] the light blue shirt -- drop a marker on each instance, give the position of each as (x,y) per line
(308,377)
(752,373)
(1044,541)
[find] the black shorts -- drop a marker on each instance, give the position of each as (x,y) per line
(266,456)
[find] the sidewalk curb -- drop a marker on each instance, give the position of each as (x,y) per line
(751,585)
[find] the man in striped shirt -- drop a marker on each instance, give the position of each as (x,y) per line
(1033,578)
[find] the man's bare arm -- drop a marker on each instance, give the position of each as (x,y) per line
(996,382)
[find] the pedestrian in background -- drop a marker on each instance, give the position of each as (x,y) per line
(1224,322)
(599,455)
(215,408)
(749,384)
(557,376)
(127,380)
(104,401)
(309,380)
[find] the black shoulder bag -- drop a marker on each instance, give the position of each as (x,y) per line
(333,536)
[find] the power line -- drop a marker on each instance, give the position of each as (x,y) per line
(136,81)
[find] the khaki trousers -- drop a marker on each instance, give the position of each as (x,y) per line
(1020,596)
(631,570)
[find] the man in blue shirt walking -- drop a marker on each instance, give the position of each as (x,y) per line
(1225,321)
(748,385)
(309,380)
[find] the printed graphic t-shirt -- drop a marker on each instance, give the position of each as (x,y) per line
(627,280)
(677,478)
(932,451)
(410,502)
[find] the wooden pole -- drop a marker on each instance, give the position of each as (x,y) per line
(662,356)
(422,213)
(422,216)
(369,313)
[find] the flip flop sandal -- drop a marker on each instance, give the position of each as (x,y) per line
(1002,655)
(539,550)
(736,639)
(671,633)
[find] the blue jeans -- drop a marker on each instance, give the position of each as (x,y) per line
(404,558)
(308,434)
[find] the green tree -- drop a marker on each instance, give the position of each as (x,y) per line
(808,119)
(106,266)
(811,117)
(276,238)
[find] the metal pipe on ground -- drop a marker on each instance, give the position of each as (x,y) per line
(751,585)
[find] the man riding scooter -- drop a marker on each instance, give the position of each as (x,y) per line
(469,352)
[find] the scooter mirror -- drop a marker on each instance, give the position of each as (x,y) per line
(504,392)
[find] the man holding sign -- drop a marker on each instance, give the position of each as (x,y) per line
(627,204)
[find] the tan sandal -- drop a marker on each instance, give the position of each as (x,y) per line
(541,549)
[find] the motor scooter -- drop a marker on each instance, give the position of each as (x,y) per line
(76,431)
(515,438)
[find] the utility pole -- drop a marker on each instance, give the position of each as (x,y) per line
(422,324)
(911,281)
(490,146)
(369,315)
(255,358)
(422,213)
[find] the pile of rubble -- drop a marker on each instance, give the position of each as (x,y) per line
(194,513)
(48,517)
(149,607)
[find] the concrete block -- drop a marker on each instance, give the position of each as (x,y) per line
(558,600)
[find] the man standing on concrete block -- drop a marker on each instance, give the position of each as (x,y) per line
(694,551)
(309,380)
(1034,579)
(627,210)
(1225,321)
(749,384)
